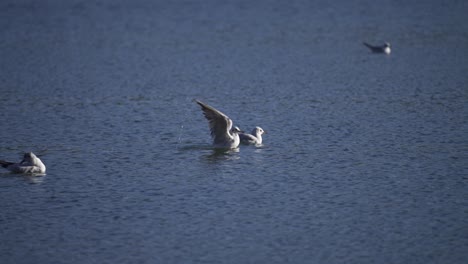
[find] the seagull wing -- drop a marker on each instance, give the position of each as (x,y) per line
(20,168)
(247,138)
(16,168)
(373,48)
(5,164)
(220,124)
(376,49)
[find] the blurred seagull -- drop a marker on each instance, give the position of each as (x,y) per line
(223,133)
(30,164)
(254,138)
(379,49)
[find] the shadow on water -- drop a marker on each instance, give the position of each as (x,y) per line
(217,155)
(30,178)
(194,147)
(213,154)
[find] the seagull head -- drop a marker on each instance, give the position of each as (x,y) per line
(387,45)
(259,130)
(236,130)
(28,157)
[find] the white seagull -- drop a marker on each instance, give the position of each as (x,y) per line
(379,49)
(30,164)
(254,138)
(223,133)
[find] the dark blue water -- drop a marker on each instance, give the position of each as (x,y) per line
(365,160)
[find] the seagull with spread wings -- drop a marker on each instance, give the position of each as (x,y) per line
(223,133)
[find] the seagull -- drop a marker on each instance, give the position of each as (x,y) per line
(254,138)
(379,49)
(30,164)
(224,135)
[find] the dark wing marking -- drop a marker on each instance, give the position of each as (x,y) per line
(373,48)
(5,164)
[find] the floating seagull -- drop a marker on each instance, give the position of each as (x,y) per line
(223,133)
(254,138)
(30,164)
(379,49)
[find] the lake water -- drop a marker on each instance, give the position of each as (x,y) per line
(365,160)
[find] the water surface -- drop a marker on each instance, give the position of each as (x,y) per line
(364,160)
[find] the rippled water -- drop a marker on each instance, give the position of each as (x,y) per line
(365,160)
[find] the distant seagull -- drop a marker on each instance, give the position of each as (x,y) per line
(30,164)
(379,49)
(254,138)
(223,133)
